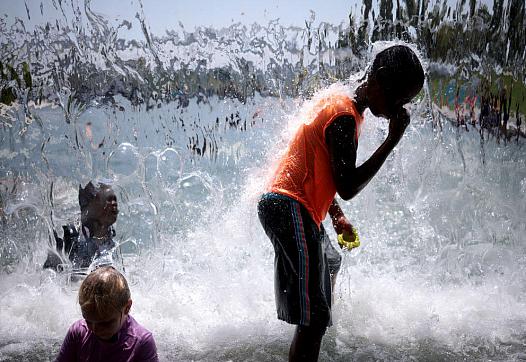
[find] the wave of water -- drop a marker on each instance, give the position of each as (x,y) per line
(440,273)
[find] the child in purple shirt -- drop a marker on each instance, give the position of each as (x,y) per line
(107,332)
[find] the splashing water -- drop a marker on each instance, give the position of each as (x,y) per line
(441,271)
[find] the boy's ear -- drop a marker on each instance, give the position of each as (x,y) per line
(128,306)
(382,74)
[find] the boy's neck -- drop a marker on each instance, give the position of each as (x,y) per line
(97,229)
(360,98)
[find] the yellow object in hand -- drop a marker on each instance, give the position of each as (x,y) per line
(344,240)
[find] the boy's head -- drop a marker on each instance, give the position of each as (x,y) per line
(105,301)
(98,203)
(395,78)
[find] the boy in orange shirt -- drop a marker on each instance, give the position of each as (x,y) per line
(320,162)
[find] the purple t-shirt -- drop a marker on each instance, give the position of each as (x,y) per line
(134,343)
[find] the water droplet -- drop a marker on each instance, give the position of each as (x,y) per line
(195,188)
(150,167)
(170,166)
(124,160)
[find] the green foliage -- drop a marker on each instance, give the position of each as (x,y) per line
(10,81)
(27,75)
(7,96)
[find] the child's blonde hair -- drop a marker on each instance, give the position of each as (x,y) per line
(104,291)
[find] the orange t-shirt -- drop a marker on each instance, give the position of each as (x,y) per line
(304,173)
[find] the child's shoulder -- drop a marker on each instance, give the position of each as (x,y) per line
(78,327)
(137,329)
(335,104)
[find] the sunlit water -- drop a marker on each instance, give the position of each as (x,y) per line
(440,274)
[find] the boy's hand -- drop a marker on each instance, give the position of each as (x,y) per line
(343,226)
(398,122)
(347,236)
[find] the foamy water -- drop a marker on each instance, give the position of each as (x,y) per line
(440,273)
(188,124)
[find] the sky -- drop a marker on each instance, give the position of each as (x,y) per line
(169,14)
(223,13)
(162,15)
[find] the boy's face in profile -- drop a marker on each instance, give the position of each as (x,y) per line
(104,207)
(385,102)
(106,326)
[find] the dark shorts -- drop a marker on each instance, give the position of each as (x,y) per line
(304,261)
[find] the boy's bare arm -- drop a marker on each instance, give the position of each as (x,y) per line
(338,218)
(342,145)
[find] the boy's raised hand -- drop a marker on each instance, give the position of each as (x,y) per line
(398,122)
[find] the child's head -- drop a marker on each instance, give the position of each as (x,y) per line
(395,78)
(98,203)
(105,301)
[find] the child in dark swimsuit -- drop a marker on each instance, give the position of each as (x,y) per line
(92,241)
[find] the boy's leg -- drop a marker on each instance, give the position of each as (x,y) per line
(307,339)
(305,346)
(302,275)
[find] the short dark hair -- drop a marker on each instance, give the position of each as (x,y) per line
(402,68)
(90,191)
